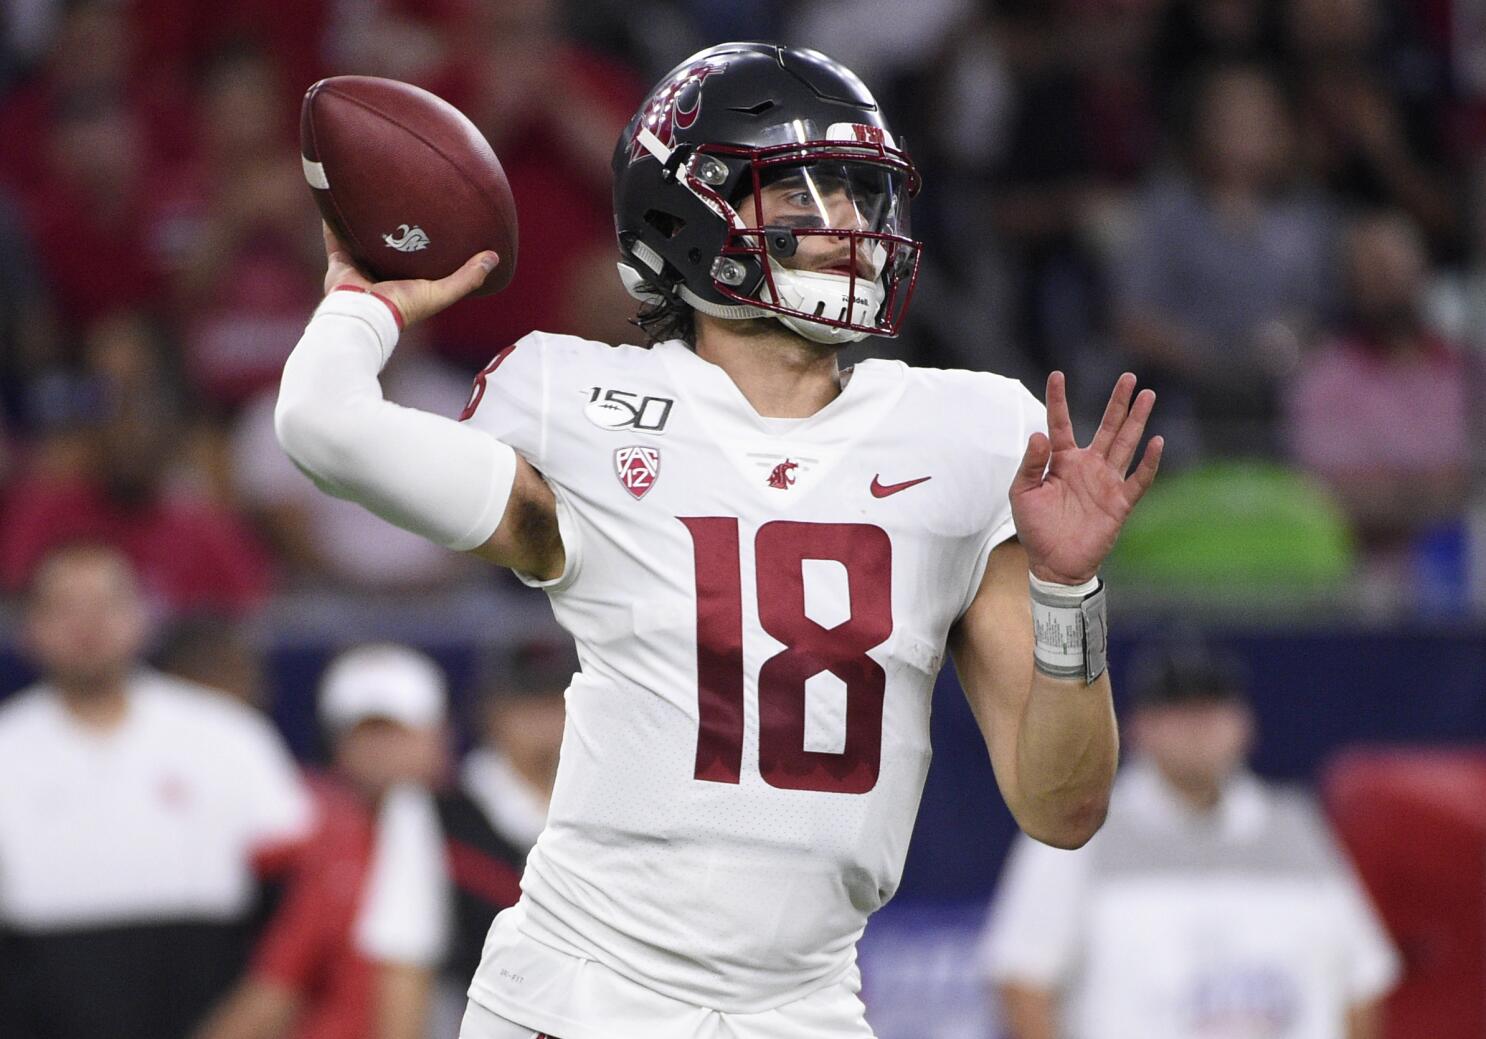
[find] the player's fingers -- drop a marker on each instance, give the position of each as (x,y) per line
(1145,473)
(1034,464)
(340,269)
(1059,425)
(1128,438)
(463,281)
(1114,414)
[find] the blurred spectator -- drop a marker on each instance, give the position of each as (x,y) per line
(91,55)
(552,111)
(27,326)
(1226,273)
(238,234)
(1201,34)
(325,539)
(1380,411)
(215,651)
(89,217)
(135,812)
(1356,134)
(1210,904)
(382,707)
(191,553)
(459,859)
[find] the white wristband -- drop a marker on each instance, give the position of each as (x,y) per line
(1070,631)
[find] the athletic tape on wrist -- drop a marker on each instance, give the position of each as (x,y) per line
(1070,629)
(367,307)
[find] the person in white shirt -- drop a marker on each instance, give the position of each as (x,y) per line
(1212,905)
(137,813)
(447,862)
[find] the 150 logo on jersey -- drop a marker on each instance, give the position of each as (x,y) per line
(623,409)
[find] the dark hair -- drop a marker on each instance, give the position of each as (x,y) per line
(1186,667)
(667,318)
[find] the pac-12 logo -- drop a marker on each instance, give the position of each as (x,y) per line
(637,468)
(622,409)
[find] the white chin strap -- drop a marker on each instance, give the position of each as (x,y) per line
(825,296)
(812,292)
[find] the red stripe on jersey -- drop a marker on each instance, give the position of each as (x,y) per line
(483,875)
(396,313)
(478,394)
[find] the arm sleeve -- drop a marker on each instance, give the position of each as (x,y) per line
(405,915)
(1032,935)
(438,478)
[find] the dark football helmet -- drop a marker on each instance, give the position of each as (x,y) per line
(740,123)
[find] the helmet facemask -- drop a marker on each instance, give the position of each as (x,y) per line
(829,237)
(816,233)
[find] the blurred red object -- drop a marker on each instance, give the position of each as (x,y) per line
(1415,824)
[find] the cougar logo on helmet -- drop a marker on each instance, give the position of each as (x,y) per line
(663,114)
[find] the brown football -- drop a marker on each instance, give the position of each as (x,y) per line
(405,179)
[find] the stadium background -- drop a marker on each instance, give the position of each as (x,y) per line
(160,255)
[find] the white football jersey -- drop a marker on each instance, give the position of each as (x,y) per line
(760,607)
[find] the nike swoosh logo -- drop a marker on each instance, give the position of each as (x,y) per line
(882,490)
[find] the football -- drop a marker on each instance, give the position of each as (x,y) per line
(405,180)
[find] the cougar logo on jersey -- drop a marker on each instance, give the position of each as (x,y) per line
(408,239)
(622,409)
(637,468)
(664,114)
(782,476)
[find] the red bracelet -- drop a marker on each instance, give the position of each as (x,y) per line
(396,314)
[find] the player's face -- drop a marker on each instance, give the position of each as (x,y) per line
(848,196)
(528,730)
(379,753)
(1197,744)
(86,625)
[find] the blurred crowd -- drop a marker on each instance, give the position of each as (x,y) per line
(1275,213)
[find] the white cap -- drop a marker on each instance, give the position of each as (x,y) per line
(382,680)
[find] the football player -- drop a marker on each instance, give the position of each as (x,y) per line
(762,558)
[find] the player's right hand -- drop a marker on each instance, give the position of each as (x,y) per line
(415,300)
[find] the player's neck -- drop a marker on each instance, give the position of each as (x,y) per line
(782,374)
(101,707)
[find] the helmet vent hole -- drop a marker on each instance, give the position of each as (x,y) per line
(695,256)
(820,308)
(667,224)
(758,109)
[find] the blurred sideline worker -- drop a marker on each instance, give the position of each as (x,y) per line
(1210,905)
(446,866)
(383,711)
(134,811)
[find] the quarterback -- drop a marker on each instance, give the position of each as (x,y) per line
(761,557)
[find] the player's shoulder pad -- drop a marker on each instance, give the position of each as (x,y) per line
(980,399)
(521,368)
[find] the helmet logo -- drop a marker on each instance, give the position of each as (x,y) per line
(663,114)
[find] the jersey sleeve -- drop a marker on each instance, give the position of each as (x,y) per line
(509,399)
(1031,417)
(1033,934)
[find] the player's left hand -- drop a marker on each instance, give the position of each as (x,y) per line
(1069,502)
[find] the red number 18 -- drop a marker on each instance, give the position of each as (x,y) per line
(780,549)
